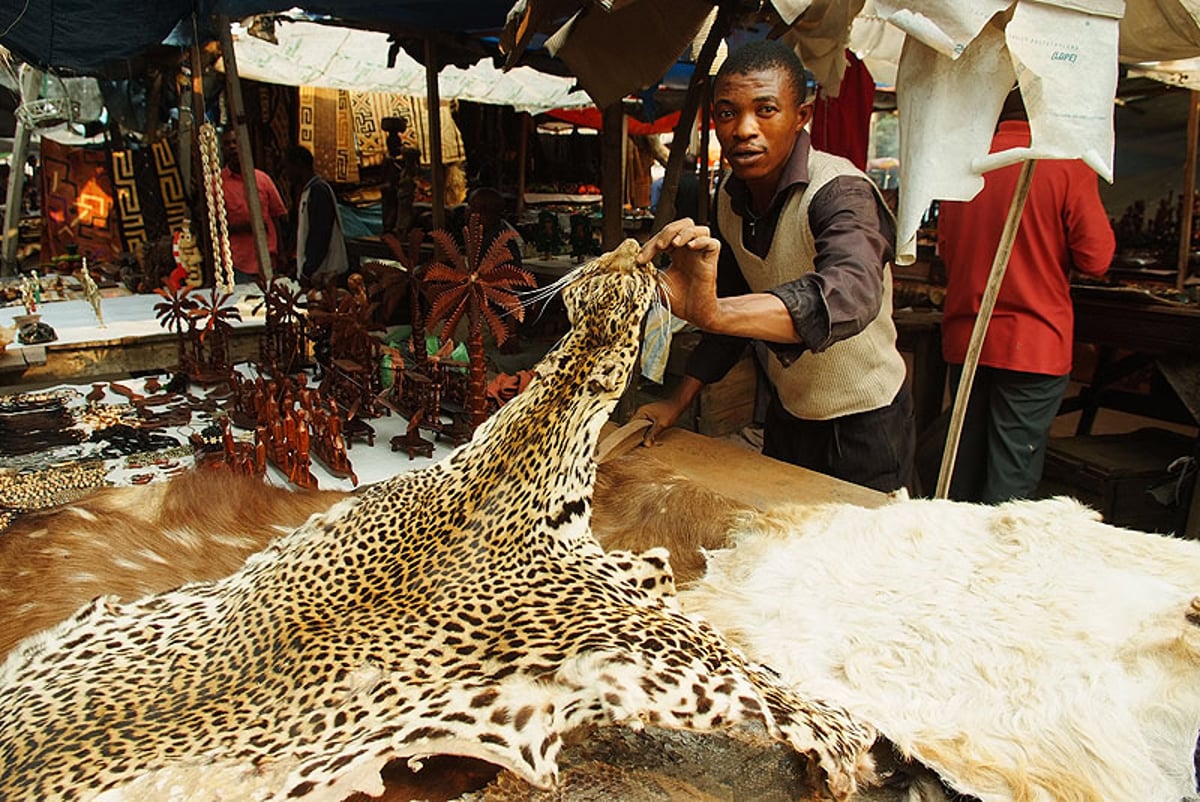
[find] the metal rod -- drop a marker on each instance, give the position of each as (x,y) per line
(1187,214)
(979,332)
(237,113)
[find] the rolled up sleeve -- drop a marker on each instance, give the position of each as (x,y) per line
(853,238)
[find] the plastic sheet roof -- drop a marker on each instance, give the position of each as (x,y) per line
(310,54)
(86,35)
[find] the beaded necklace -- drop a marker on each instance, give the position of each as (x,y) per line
(214,194)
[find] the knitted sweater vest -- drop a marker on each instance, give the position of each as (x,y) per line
(858,374)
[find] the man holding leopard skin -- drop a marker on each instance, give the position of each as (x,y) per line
(799,259)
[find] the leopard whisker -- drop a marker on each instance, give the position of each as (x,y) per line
(542,294)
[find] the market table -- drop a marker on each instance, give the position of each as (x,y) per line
(131,340)
(1134,330)
(745,475)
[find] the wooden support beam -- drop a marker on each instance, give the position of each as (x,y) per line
(975,348)
(1189,190)
(687,119)
(526,129)
(703,197)
(612,174)
(12,208)
(30,79)
(237,113)
(434,104)
(185,144)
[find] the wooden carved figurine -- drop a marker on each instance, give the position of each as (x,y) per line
(91,292)
(411,442)
(189,262)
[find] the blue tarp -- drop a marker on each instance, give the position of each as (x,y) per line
(86,35)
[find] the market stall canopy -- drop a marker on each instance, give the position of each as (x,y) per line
(613,53)
(631,46)
(84,36)
(958,61)
(330,57)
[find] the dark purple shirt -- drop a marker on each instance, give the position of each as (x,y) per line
(854,234)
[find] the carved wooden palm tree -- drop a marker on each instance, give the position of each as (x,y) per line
(284,337)
(175,314)
(213,316)
(481,286)
(410,257)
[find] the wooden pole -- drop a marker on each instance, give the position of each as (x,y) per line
(12,208)
(434,103)
(612,174)
(523,159)
(1189,189)
(184,145)
(975,348)
(30,80)
(237,113)
(687,120)
(703,197)
(190,117)
(153,112)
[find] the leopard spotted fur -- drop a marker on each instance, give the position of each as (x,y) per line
(460,609)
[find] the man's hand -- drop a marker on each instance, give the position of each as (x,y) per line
(690,286)
(661,414)
(664,414)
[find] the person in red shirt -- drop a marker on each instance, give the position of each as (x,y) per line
(237,213)
(1026,359)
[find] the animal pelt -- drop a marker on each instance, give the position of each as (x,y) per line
(463,608)
(202,525)
(1024,652)
(133,541)
(641,503)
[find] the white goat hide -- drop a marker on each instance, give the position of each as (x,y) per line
(1024,652)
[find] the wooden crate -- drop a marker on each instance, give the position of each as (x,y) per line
(723,407)
(1114,474)
(727,406)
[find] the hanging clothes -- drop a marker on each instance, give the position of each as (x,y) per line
(842,125)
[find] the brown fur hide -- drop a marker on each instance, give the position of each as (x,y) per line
(641,502)
(134,541)
(202,525)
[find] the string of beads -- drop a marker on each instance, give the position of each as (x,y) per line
(214,193)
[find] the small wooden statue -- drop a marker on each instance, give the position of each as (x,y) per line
(411,442)
(91,292)
(189,262)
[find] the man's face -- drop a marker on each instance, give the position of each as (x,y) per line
(757,118)
(229,151)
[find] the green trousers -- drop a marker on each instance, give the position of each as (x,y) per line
(1003,445)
